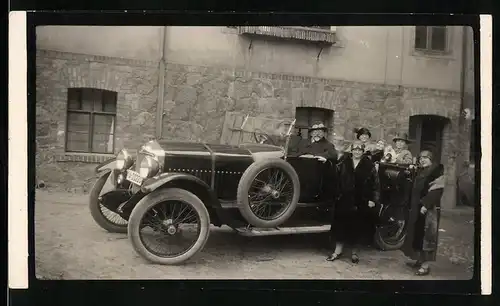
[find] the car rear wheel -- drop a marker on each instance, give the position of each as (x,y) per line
(268,193)
(391,233)
(105,218)
(169,226)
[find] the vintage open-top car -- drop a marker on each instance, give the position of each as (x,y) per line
(167,195)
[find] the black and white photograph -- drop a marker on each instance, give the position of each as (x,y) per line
(255,152)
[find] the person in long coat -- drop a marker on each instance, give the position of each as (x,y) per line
(324,151)
(423,225)
(358,194)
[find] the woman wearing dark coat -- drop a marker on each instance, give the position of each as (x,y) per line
(423,225)
(358,194)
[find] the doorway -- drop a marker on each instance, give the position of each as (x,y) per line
(307,116)
(427,134)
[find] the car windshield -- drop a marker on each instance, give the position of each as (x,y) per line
(276,129)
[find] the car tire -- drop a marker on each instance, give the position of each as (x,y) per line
(160,196)
(246,181)
(385,243)
(96,211)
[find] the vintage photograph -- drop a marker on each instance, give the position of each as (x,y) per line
(255,152)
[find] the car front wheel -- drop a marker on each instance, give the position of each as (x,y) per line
(105,218)
(169,226)
(268,193)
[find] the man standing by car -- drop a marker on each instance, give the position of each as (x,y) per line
(324,151)
(319,147)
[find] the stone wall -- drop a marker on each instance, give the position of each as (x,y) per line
(136,83)
(196,99)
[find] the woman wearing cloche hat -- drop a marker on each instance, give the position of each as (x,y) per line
(364,136)
(421,241)
(358,195)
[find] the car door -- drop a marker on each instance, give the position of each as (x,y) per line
(310,172)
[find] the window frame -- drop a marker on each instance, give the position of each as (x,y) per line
(428,45)
(92,113)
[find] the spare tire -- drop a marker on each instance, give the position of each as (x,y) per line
(268,193)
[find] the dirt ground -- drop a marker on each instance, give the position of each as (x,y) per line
(70,245)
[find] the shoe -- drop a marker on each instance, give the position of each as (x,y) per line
(414,265)
(354,258)
(423,271)
(333,256)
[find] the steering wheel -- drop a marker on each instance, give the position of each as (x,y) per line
(261,137)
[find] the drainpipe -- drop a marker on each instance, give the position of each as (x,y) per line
(161,84)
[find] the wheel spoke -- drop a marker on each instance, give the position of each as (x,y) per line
(392,232)
(111,216)
(270,193)
(169,238)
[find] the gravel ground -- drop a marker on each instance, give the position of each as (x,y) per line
(69,245)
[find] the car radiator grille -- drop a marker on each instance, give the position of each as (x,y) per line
(140,157)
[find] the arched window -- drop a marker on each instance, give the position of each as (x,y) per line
(91,119)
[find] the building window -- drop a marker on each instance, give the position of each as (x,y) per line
(427,133)
(432,38)
(307,116)
(91,120)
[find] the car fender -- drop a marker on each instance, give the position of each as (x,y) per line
(156,182)
(108,165)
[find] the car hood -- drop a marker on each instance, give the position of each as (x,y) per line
(257,151)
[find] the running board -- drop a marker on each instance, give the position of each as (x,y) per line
(233,204)
(252,232)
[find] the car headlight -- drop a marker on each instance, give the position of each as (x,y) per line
(124,160)
(149,167)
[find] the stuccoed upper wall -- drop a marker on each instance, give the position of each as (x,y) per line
(142,43)
(375,54)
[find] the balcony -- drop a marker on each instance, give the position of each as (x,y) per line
(321,35)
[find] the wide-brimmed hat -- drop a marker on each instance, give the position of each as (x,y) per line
(318,126)
(362,131)
(402,136)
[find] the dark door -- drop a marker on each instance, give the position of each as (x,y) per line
(307,116)
(427,133)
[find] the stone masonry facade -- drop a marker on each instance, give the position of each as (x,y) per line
(196,99)
(136,84)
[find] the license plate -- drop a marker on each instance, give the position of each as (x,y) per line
(134,177)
